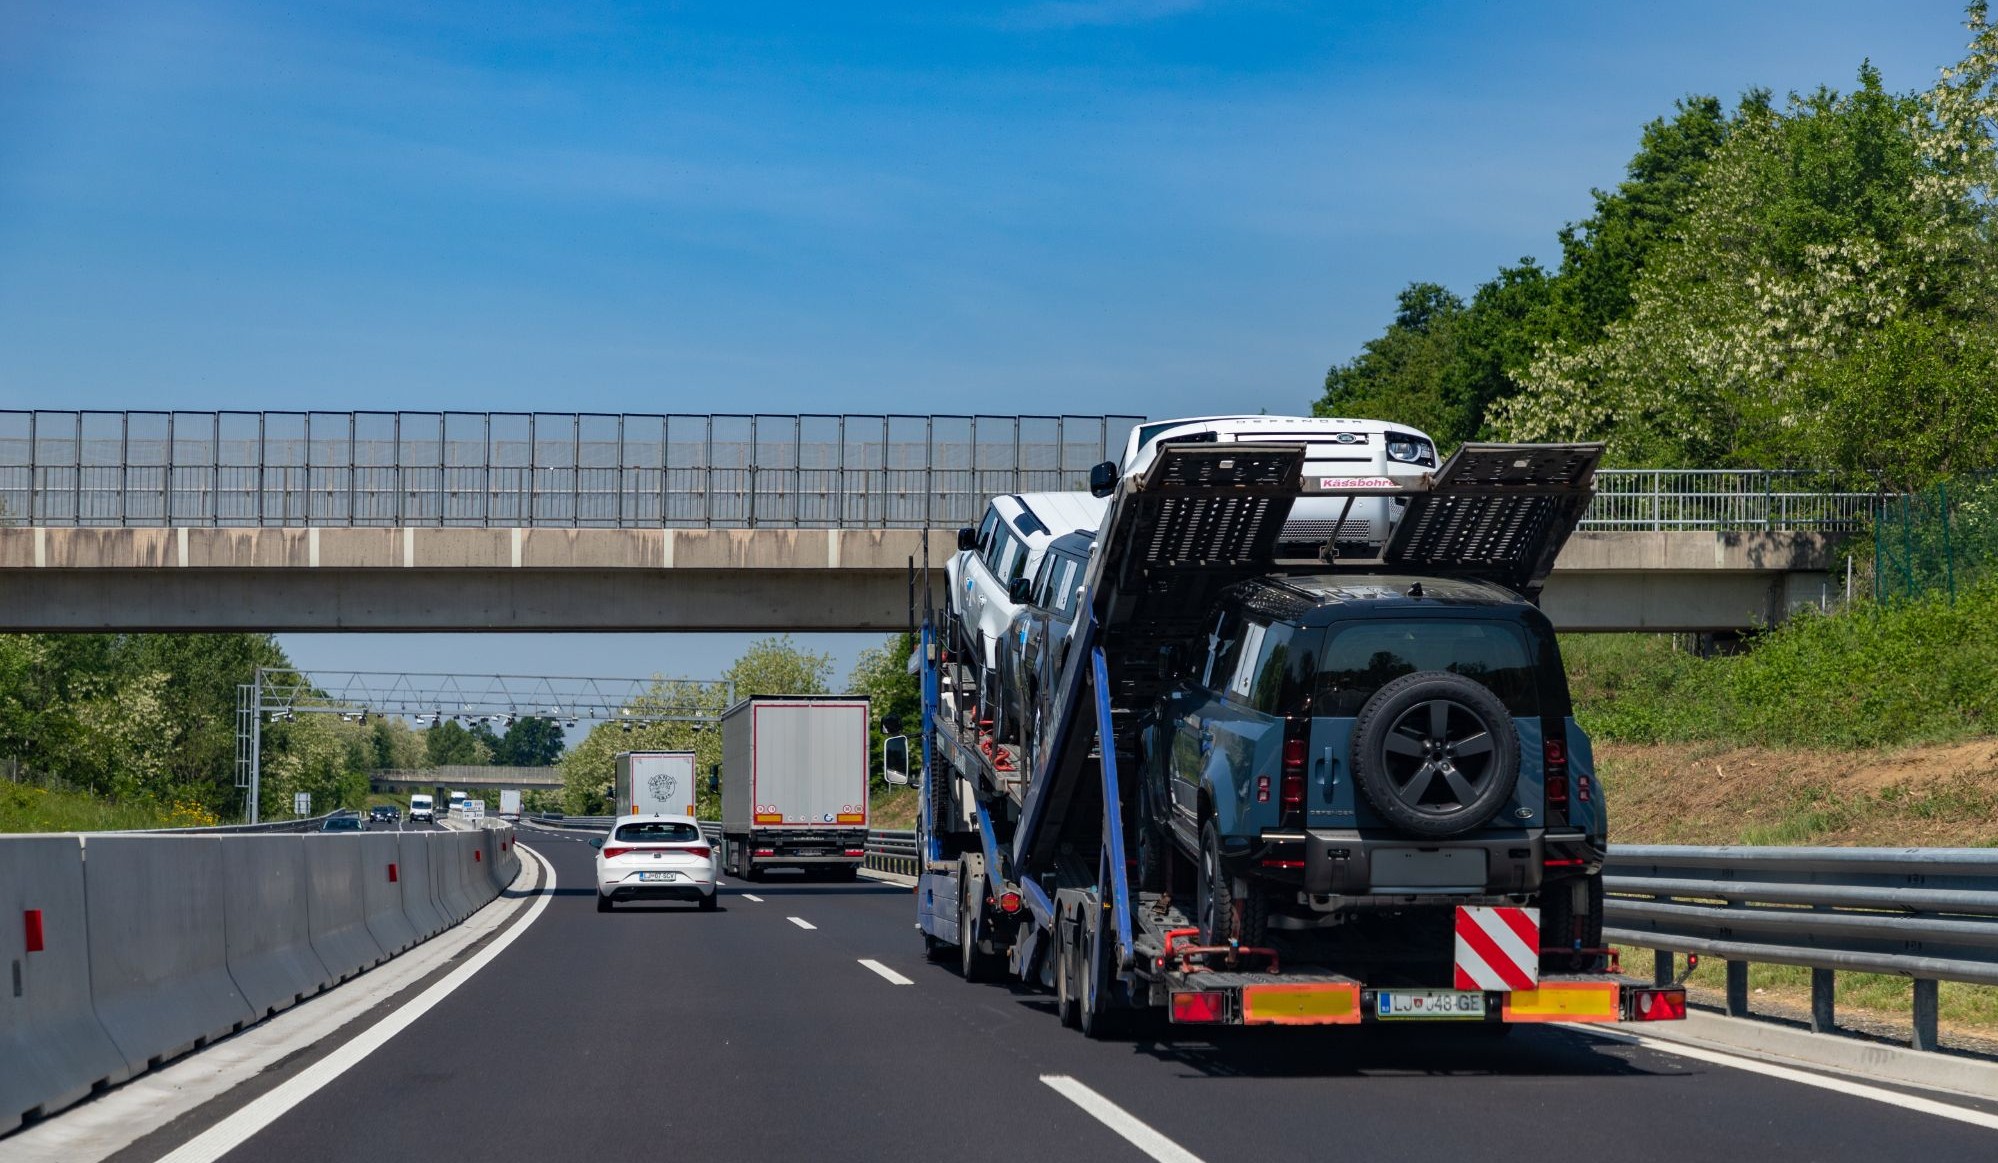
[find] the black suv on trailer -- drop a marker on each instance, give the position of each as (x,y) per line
(1341,745)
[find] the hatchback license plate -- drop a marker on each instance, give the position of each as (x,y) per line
(656,876)
(1429,1003)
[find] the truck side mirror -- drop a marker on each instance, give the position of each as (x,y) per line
(1103,479)
(1018,589)
(895,760)
(967,539)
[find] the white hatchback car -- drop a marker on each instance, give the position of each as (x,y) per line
(655,858)
(1373,451)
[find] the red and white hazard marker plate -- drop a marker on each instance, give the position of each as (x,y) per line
(1497,948)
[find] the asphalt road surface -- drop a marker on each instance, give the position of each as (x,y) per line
(658,1032)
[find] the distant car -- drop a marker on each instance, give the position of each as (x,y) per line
(384,814)
(659,858)
(342,824)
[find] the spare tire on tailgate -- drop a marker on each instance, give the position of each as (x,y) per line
(1435,754)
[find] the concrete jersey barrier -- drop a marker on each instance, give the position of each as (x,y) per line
(269,933)
(419,893)
(159,972)
(381,881)
(336,904)
(53,1050)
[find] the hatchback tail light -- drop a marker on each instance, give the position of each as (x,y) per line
(614,853)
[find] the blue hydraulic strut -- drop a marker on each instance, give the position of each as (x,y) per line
(1113,814)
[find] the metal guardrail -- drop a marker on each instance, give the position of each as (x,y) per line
(620,471)
(309,824)
(1930,914)
(648,471)
(1735,500)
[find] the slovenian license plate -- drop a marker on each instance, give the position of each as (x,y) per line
(1429,1003)
(657,876)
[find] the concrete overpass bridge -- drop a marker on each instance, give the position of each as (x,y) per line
(440,522)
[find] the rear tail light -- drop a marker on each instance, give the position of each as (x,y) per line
(613,853)
(856,851)
(1291,795)
(766,852)
(700,850)
(1009,902)
(1657,1005)
(1557,787)
(1200,1006)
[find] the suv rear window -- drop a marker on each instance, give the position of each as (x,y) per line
(658,832)
(1360,658)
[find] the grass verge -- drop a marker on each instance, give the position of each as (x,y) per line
(28,808)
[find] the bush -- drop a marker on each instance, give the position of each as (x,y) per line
(1917,671)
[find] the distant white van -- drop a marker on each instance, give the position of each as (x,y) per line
(422,807)
(1360,450)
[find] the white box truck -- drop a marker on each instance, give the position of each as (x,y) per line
(654,782)
(510,805)
(794,785)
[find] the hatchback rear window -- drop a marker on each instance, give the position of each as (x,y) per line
(1362,657)
(658,832)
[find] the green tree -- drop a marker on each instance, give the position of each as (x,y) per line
(882,674)
(530,742)
(1826,297)
(1401,375)
(449,744)
(395,746)
(775,666)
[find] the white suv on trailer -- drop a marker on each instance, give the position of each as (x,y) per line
(1367,452)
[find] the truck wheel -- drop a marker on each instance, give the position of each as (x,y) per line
(1563,924)
(972,964)
(1222,916)
(1066,1007)
(1097,1014)
(1435,754)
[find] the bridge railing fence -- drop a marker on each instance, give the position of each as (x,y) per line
(623,471)
(534,469)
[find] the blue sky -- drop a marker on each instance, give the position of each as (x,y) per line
(1148,206)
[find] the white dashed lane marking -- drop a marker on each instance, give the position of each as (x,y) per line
(893,977)
(801,922)
(750,896)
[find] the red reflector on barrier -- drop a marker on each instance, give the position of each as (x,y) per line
(391,873)
(1202,1006)
(1657,1005)
(476,857)
(32,921)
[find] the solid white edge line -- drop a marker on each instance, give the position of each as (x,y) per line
(801,922)
(893,977)
(750,896)
(1126,1124)
(235,1130)
(1832,1082)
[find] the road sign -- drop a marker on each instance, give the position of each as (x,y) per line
(301,803)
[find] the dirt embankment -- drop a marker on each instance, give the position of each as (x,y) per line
(1928,796)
